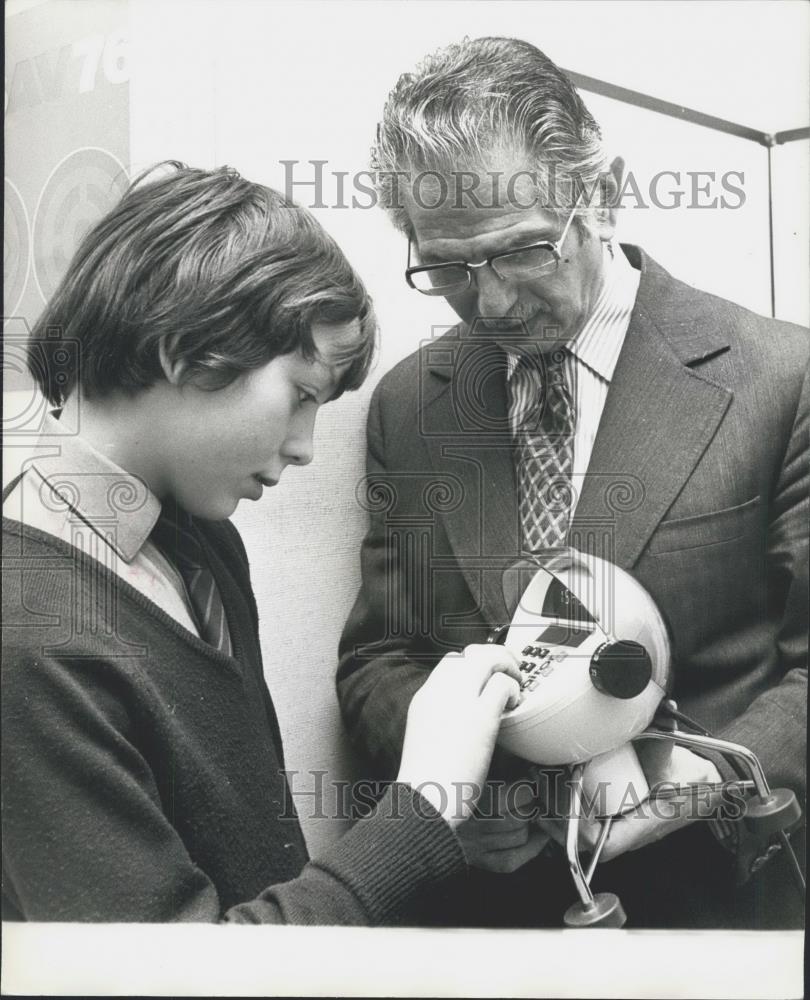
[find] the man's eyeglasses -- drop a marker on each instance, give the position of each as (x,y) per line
(521,263)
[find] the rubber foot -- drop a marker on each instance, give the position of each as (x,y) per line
(766,816)
(605,911)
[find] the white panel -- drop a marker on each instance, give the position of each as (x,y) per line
(791,208)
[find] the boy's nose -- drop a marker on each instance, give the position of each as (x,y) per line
(301,451)
(299,448)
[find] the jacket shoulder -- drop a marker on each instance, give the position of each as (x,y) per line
(689,316)
(400,384)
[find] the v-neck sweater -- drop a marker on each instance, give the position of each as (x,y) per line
(143,771)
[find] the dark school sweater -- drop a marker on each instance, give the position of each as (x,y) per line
(142,769)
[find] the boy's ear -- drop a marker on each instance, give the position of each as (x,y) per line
(172,370)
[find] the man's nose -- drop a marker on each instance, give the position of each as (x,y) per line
(496,297)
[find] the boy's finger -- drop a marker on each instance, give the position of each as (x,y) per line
(501,691)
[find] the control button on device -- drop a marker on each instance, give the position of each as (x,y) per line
(621,669)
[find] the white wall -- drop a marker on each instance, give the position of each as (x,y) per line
(791,223)
(251,83)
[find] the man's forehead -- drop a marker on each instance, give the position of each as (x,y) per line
(491,188)
(469,223)
(501,202)
(442,230)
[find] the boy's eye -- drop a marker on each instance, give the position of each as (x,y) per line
(304,396)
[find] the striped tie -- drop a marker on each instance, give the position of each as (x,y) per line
(177,537)
(543,415)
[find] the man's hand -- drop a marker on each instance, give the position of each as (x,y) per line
(668,765)
(663,764)
(501,836)
(453,720)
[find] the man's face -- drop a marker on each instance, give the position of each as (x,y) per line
(225,445)
(553,307)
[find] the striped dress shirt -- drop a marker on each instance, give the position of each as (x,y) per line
(591,358)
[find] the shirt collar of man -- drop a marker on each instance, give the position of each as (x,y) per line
(115,504)
(599,342)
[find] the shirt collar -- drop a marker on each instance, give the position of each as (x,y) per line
(599,343)
(116,504)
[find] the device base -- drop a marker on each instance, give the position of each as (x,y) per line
(606,910)
(778,811)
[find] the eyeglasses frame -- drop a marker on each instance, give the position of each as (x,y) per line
(554,246)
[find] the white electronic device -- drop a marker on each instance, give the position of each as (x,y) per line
(595,656)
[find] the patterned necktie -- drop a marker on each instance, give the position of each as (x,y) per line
(176,536)
(543,419)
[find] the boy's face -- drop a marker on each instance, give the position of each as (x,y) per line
(226,445)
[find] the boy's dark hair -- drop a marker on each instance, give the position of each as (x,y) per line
(225,273)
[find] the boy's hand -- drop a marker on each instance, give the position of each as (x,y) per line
(453,721)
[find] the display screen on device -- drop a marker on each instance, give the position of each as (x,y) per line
(561,603)
(564,635)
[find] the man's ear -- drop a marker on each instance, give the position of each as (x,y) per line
(609,200)
(172,370)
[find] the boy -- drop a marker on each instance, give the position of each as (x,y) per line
(198,329)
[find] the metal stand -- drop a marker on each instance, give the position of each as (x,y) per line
(768,813)
(603,909)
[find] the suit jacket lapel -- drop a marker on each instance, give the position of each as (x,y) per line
(465,415)
(659,417)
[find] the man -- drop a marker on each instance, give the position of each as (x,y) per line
(586,398)
(199,327)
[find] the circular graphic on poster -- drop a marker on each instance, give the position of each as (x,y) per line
(24,406)
(80,189)
(16,248)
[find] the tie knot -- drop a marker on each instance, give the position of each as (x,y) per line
(175,534)
(538,388)
(542,369)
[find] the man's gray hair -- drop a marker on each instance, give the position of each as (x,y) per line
(475,99)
